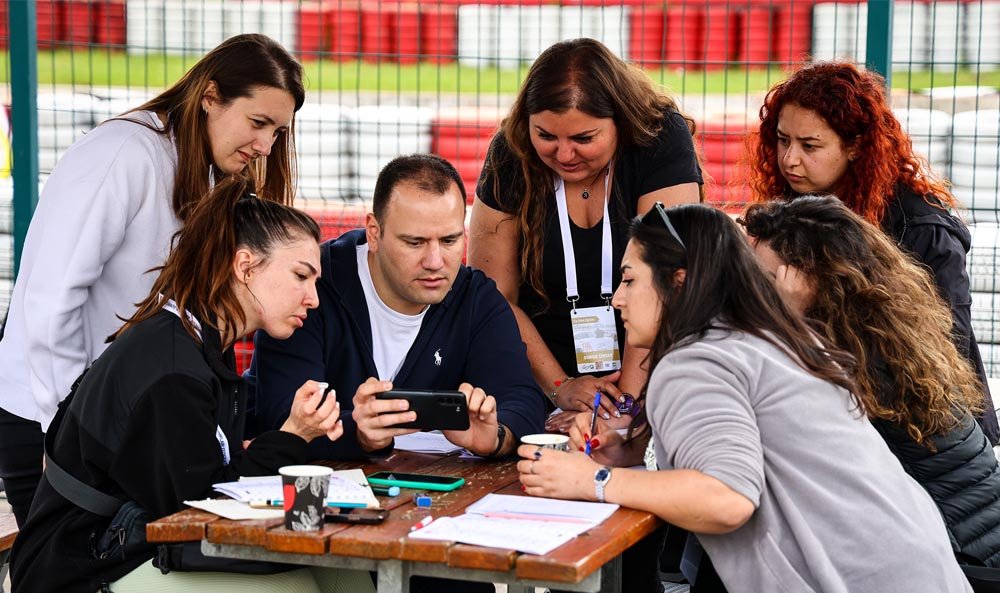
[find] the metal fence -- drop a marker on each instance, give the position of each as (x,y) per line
(387,78)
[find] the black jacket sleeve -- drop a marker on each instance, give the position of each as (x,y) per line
(498,363)
(170,453)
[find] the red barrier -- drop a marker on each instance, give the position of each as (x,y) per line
(792,31)
(439,32)
(79,16)
(376,32)
(49,24)
(243,350)
(311,20)
(4,31)
(343,31)
(755,36)
(405,31)
(109,22)
(683,37)
(720,37)
(646,29)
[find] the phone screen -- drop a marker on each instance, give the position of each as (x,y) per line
(424,478)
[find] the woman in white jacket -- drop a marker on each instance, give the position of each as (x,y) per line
(106,216)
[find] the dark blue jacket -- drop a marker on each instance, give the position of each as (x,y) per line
(473,330)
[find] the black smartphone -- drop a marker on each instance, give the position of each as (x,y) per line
(436,410)
(354,515)
(417,481)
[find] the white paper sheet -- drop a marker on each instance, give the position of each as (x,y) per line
(346,486)
(426,442)
(532,537)
(234,509)
(542,509)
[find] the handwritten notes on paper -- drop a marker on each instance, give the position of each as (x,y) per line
(527,524)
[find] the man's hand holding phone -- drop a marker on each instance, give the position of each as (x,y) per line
(481,437)
(375,418)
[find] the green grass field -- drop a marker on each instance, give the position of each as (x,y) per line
(101,67)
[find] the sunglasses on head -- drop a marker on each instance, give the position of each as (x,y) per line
(661,211)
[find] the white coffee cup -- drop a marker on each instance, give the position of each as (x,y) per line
(559,442)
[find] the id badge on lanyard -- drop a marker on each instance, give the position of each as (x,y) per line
(595,335)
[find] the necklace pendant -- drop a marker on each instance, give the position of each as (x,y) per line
(586,194)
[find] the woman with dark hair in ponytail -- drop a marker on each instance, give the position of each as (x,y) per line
(159,416)
(763,452)
(106,216)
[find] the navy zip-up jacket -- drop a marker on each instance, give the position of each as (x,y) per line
(473,330)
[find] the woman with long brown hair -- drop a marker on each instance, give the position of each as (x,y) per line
(158,419)
(829,129)
(106,216)
(762,451)
(589,143)
(868,297)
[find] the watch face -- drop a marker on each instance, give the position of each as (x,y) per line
(602,474)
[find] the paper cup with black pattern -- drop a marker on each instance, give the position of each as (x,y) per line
(304,488)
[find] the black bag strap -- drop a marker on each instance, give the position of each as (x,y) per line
(68,486)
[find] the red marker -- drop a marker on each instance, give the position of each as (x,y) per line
(422,523)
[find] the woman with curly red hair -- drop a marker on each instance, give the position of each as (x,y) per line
(829,129)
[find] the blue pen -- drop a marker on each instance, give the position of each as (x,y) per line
(593,421)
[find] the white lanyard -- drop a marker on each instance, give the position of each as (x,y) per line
(171,306)
(572,291)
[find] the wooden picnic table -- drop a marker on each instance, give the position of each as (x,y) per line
(590,562)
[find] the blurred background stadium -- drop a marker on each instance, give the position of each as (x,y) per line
(386,78)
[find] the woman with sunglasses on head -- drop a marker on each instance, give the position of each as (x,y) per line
(106,216)
(865,295)
(589,143)
(159,416)
(764,453)
(829,129)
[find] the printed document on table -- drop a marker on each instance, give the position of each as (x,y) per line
(234,509)
(531,537)
(542,509)
(349,487)
(426,442)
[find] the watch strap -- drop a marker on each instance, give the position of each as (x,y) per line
(501,437)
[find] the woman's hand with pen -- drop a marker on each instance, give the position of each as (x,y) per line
(578,394)
(607,445)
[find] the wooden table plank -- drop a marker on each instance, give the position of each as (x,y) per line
(470,556)
(186,526)
(279,539)
(573,561)
(8,531)
(246,533)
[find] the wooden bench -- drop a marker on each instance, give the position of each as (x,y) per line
(8,531)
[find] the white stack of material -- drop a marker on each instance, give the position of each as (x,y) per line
(909,35)
(975,168)
(607,24)
(178,26)
(384,132)
(278,21)
(930,131)
(946,34)
(206,25)
(836,31)
(144,26)
(326,163)
(982,21)
(62,119)
(479,35)
(983,265)
(535,29)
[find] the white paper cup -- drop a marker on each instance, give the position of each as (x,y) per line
(304,489)
(559,442)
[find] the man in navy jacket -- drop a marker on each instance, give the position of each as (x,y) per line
(398,308)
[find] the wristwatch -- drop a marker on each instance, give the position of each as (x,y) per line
(501,437)
(601,478)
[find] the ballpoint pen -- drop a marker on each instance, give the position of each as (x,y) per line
(593,421)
